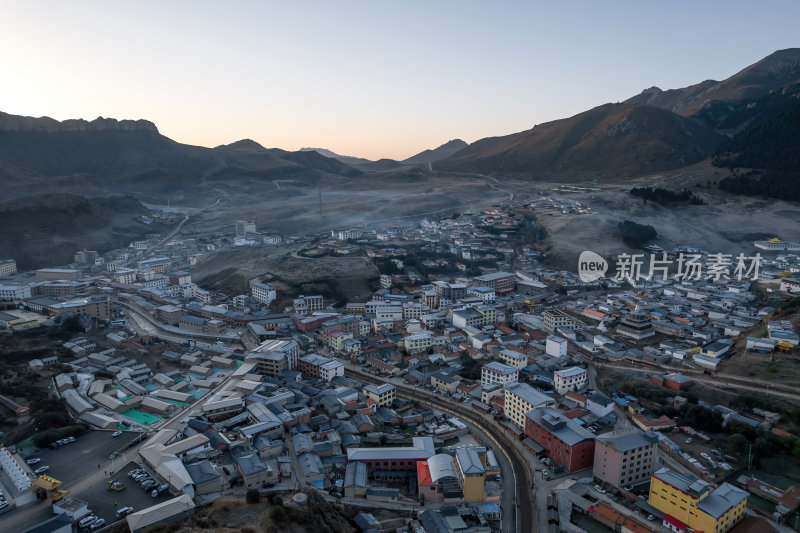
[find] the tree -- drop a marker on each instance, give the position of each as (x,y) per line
(277,513)
(736,443)
(252,496)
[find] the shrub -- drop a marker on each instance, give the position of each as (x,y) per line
(253,496)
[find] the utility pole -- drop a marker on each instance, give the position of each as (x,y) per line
(749,457)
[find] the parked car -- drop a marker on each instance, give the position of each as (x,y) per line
(133,473)
(34,460)
(70,439)
(651,517)
(705,456)
(689,440)
(148,484)
(97,525)
(3,504)
(125,511)
(599,489)
(159,490)
(87,521)
(42,469)
(116,434)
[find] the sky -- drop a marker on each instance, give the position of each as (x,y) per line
(366,78)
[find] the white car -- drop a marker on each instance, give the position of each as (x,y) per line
(87,521)
(705,456)
(34,461)
(97,525)
(116,434)
(599,489)
(42,469)
(125,511)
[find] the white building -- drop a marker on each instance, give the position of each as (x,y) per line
(487,294)
(521,398)
(557,319)
(263,292)
(344,234)
(573,378)
(556,346)
(383,395)
(8,267)
(14,292)
(496,372)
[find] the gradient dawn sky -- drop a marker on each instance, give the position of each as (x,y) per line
(369,78)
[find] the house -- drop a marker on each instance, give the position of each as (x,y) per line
(599,404)
(355,479)
(495,372)
(205,478)
(394,458)
(170,511)
(556,346)
(472,473)
(437,479)
(254,472)
(382,395)
(573,378)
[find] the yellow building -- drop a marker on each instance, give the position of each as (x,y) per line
(688,502)
(489,314)
(471,470)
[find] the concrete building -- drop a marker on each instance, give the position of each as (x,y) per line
(394,458)
(501,282)
(496,372)
(470,469)
(383,395)
(555,318)
(8,267)
(625,457)
(254,472)
(556,346)
(688,502)
(573,378)
(170,511)
(274,356)
(263,292)
(521,398)
(566,443)
(438,480)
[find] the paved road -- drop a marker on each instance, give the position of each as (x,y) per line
(153,249)
(517,500)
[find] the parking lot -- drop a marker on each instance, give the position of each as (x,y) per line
(84,468)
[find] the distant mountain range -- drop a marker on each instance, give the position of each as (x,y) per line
(423,158)
(653,131)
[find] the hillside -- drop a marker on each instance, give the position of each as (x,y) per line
(47,229)
(766,151)
(612,140)
(131,157)
(710,102)
(360,163)
(430,156)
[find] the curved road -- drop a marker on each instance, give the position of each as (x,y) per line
(516,494)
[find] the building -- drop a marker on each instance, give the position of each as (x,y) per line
(318,366)
(775,244)
(625,457)
(688,502)
(305,305)
(470,469)
(394,458)
(496,372)
(14,292)
(573,378)
(521,398)
(243,227)
(53,274)
(355,480)
(556,346)
(486,294)
(383,395)
(253,470)
(566,443)
(437,479)
(599,405)
(637,325)
(170,511)
(274,356)
(514,359)
(555,318)
(8,267)
(96,306)
(263,292)
(501,282)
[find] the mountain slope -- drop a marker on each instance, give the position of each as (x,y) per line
(610,140)
(767,149)
(46,229)
(710,101)
(429,156)
(108,156)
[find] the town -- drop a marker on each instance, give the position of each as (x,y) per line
(478,388)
